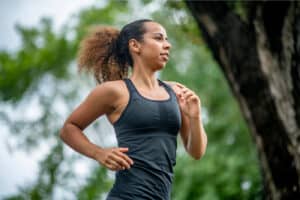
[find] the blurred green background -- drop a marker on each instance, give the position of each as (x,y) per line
(40,86)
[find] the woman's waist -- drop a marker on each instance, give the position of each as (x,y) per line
(140,177)
(151,168)
(160,157)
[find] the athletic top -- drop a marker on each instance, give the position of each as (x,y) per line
(149,128)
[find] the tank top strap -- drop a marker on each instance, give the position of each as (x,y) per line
(133,91)
(130,86)
(168,88)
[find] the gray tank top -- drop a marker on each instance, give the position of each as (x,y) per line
(149,128)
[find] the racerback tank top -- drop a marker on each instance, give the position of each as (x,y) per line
(149,128)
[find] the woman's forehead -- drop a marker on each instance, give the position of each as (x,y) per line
(153,27)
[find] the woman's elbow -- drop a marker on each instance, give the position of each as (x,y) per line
(63,132)
(198,156)
(202,150)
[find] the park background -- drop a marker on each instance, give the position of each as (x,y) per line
(40,86)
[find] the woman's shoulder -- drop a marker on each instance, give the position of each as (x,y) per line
(111,88)
(111,84)
(174,85)
(171,83)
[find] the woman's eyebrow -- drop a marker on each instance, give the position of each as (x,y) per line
(162,35)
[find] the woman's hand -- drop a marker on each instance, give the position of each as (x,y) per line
(192,131)
(114,158)
(189,102)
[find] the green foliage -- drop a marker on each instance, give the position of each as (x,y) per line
(229,169)
(47,178)
(42,52)
(97,184)
(104,16)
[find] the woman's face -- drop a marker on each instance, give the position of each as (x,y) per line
(154,49)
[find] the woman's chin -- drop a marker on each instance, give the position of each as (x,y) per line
(161,65)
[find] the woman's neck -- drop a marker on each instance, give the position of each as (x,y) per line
(144,77)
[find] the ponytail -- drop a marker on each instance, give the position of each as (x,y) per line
(98,54)
(105,52)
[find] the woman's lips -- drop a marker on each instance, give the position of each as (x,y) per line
(165,56)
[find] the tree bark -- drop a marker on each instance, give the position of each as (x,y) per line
(260,59)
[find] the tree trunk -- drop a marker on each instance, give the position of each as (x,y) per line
(260,59)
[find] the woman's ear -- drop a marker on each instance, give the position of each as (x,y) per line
(134,46)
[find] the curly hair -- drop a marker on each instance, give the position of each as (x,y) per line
(105,53)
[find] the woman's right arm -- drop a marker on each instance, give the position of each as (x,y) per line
(100,101)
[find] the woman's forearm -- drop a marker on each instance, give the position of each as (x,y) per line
(75,138)
(197,139)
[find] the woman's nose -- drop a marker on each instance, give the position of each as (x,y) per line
(167,44)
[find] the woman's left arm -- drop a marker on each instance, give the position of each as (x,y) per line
(192,131)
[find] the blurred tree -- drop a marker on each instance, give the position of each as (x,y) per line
(257,46)
(44,69)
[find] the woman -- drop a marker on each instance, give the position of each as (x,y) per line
(146,113)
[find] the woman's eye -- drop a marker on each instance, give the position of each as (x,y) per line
(158,38)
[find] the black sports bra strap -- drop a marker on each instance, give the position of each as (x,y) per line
(133,89)
(168,87)
(130,85)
